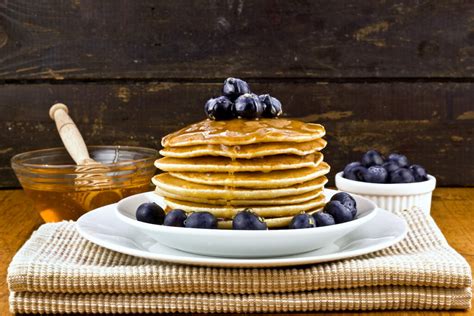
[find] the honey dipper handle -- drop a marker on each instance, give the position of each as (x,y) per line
(70,135)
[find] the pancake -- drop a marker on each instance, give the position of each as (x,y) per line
(177,186)
(257,180)
(229,211)
(244,132)
(221,164)
(245,151)
(281,222)
(292,199)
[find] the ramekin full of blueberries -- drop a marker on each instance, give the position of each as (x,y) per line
(392,182)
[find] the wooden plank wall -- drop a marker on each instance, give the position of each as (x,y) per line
(391,75)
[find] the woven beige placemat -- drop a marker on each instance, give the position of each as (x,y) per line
(57,259)
(366,298)
(416,273)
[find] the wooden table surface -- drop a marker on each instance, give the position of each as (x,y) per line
(453,210)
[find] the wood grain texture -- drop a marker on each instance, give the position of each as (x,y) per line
(451,209)
(432,123)
(18,220)
(88,39)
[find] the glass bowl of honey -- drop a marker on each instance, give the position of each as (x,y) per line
(61,190)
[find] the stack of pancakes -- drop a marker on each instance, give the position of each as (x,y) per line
(272,166)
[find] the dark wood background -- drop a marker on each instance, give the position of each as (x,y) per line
(390,75)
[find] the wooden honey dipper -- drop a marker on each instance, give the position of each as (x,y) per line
(90,173)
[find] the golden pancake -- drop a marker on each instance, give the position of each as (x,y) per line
(245,151)
(229,211)
(244,132)
(280,222)
(221,164)
(292,199)
(177,186)
(257,180)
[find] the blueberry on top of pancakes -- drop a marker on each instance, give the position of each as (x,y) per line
(234,87)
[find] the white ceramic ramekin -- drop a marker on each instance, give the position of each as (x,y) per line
(392,196)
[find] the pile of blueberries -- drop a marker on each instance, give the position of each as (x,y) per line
(341,208)
(375,169)
(237,101)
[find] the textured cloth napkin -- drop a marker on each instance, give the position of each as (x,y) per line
(57,271)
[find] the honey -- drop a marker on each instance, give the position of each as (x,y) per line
(243,132)
(61,190)
(57,205)
(246,151)
(224,164)
(256,180)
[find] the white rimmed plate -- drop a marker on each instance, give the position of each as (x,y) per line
(102,227)
(242,243)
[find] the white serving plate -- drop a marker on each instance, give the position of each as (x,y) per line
(242,243)
(392,196)
(102,227)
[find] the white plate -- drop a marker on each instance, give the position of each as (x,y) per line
(242,243)
(102,227)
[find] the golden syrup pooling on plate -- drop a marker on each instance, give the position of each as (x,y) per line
(242,132)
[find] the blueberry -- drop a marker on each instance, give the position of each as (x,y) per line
(248,106)
(175,218)
(372,158)
(340,213)
(219,109)
(248,220)
(351,165)
(302,221)
(271,106)
(347,200)
(201,220)
(150,213)
(323,219)
(418,172)
(400,160)
(234,87)
(390,166)
(401,175)
(355,173)
(376,174)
